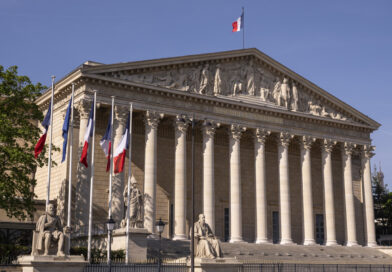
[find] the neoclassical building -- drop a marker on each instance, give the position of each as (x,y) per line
(277,158)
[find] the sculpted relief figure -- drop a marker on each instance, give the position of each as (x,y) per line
(205,75)
(207,245)
(276,93)
(285,93)
(217,80)
(294,98)
(179,81)
(250,78)
(135,205)
(49,230)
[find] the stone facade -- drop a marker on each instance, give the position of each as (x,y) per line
(268,145)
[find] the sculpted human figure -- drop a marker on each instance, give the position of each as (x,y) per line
(135,205)
(207,244)
(250,78)
(276,93)
(205,74)
(285,92)
(217,80)
(49,229)
(294,101)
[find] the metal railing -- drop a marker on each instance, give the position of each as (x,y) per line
(137,267)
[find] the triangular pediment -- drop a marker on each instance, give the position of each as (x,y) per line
(248,75)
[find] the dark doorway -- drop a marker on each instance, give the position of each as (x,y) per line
(320,229)
(275,227)
(227,224)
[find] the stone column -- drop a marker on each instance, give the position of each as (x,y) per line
(368,196)
(284,188)
(235,184)
(119,124)
(150,170)
(181,125)
(351,232)
(307,198)
(329,209)
(208,173)
(261,187)
(83,174)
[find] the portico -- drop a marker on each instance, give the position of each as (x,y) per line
(286,158)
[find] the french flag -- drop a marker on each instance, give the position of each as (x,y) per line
(87,135)
(239,24)
(65,129)
(106,142)
(121,150)
(41,142)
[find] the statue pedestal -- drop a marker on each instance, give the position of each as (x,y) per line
(51,263)
(137,243)
(218,265)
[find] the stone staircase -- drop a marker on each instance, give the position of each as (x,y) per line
(272,253)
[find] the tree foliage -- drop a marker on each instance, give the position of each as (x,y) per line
(382,199)
(19,116)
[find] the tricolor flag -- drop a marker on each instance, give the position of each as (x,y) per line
(106,142)
(121,150)
(41,142)
(65,129)
(87,135)
(239,24)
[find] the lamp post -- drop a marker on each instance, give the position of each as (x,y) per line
(160,225)
(110,226)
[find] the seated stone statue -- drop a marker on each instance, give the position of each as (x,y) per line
(49,230)
(207,245)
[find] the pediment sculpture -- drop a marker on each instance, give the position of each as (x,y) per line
(239,78)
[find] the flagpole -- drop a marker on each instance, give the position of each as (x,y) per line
(129,179)
(70,135)
(110,178)
(90,213)
(243,32)
(193,197)
(50,146)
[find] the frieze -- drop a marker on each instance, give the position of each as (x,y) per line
(240,77)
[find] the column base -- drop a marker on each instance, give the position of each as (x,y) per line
(236,240)
(309,242)
(372,244)
(352,244)
(286,242)
(262,241)
(179,237)
(331,243)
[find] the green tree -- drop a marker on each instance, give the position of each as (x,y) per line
(19,116)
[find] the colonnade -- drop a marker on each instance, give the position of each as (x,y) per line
(209,127)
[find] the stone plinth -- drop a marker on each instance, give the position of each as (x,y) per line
(216,265)
(137,243)
(51,263)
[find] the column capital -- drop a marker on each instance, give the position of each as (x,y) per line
(368,151)
(285,138)
(182,122)
(261,134)
(348,148)
(328,144)
(209,127)
(121,113)
(152,118)
(236,131)
(307,141)
(83,107)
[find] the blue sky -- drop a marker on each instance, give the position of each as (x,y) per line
(342,46)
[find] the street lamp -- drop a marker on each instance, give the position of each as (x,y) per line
(110,226)
(160,225)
